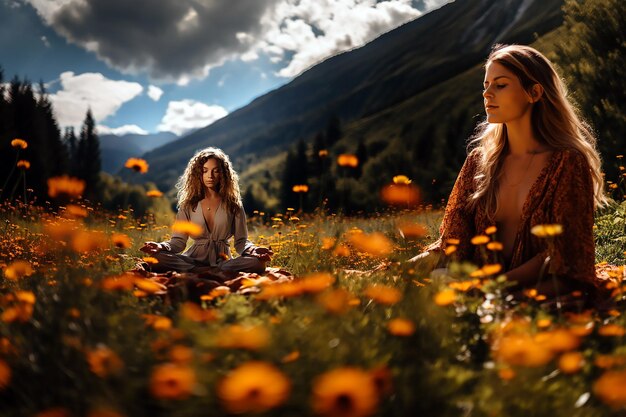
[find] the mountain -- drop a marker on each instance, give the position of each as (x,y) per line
(437,55)
(115,150)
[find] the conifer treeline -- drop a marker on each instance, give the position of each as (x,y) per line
(27,114)
(326,183)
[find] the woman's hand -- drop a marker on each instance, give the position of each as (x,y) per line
(151,247)
(427,259)
(264,254)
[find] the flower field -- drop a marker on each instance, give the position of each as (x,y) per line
(358,332)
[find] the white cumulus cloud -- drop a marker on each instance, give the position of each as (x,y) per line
(313,30)
(154,92)
(80,92)
(180,40)
(121,130)
(186,115)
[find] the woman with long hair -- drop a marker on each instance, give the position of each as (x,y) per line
(533,161)
(209,196)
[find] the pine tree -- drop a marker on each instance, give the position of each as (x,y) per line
(594,60)
(361,154)
(333,130)
(89,160)
(288,198)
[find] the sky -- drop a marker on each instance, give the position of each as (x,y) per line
(148,66)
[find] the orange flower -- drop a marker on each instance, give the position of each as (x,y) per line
(154,193)
(193,312)
(341,250)
(181,354)
(453,242)
(348,160)
(609,361)
(328,243)
(445,297)
(480,240)
(401,179)
(315,283)
(495,246)
(401,327)
(121,240)
(89,241)
(322,153)
(410,230)
(72,211)
(17,270)
(383,294)
(374,244)
(19,143)
(123,282)
(491,230)
(611,388)
(172,382)
(240,337)
(558,340)
(464,286)
(345,392)
(291,357)
(506,373)
(150,259)
(104,362)
(17,313)
(188,228)
(571,362)
(301,188)
(149,286)
(65,186)
(254,387)
(522,350)
(400,194)
(22,163)
(157,322)
(137,165)
(5,375)
(450,250)
(547,230)
(611,330)
(335,301)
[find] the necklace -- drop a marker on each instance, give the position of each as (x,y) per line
(532,153)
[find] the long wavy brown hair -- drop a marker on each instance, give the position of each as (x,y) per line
(191,189)
(554,119)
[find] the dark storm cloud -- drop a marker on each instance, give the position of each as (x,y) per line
(166,38)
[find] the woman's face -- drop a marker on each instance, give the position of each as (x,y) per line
(505,99)
(211,174)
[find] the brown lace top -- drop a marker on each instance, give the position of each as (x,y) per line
(561,194)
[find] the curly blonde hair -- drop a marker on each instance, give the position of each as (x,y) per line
(190,187)
(555,123)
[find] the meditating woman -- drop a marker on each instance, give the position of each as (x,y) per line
(209,196)
(533,161)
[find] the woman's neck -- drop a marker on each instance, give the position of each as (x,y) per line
(520,137)
(211,194)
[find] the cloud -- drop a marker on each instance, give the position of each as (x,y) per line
(45,41)
(154,92)
(90,90)
(179,40)
(186,115)
(314,30)
(121,131)
(168,39)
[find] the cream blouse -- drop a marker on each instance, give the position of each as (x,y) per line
(211,246)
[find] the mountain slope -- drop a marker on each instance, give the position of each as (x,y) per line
(359,84)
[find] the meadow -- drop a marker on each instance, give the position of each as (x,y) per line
(357,332)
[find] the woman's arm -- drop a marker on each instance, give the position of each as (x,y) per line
(527,274)
(240,233)
(178,241)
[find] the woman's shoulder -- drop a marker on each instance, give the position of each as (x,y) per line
(572,158)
